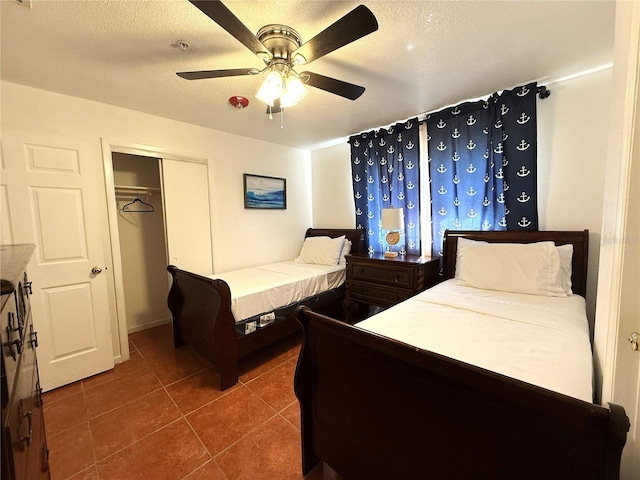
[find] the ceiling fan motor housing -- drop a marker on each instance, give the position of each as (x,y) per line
(281,41)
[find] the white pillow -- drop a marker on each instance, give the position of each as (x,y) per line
(566,258)
(531,268)
(346,250)
(464,244)
(321,250)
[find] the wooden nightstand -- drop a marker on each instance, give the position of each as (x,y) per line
(375,280)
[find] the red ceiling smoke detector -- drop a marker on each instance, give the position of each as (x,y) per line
(238,101)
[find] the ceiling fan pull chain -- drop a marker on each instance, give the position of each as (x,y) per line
(282,119)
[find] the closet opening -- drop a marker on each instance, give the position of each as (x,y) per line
(141,232)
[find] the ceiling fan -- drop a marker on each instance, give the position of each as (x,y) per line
(282,50)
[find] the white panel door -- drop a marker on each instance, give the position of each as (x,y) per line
(626,381)
(53,196)
(627,374)
(185,190)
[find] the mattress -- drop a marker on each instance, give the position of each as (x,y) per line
(540,340)
(260,290)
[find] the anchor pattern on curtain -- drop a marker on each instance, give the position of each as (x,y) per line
(385,165)
(482,164)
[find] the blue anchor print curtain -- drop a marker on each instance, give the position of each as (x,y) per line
(482,164)
(385,166)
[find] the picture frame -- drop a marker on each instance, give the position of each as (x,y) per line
(266,193)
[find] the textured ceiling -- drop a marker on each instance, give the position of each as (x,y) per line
(425,55)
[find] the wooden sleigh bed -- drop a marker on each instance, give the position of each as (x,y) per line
(202,316)
(376,408)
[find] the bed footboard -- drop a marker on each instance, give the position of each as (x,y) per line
(202,318)
(375,408)
(201,313)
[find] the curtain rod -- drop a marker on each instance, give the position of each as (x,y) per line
(542,91)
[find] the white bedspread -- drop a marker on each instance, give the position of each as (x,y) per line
(540,340)
(267,287)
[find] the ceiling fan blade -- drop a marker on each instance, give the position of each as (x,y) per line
(217,73)
(220,14)
(354,25)
(332,85)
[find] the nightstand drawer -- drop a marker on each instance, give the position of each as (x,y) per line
(379,295)
(374,279)
(397,277)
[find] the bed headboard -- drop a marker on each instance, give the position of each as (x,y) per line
(356,235)
(579,240)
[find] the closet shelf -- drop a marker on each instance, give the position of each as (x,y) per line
(129,190)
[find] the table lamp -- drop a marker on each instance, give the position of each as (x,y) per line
(392,220)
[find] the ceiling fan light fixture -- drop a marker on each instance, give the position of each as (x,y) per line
(281,48)
(294,91)
(271,88)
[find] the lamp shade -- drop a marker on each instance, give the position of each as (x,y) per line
(293,93)
(271,88)
(392,218)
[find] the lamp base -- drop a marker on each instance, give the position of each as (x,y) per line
(390,254)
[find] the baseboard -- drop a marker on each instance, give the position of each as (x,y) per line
(157,323)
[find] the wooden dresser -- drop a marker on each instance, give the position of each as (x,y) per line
(375,280)
(25,455)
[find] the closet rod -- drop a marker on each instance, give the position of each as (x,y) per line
(132,190)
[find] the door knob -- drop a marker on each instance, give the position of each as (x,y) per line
(633,340)
(96,270)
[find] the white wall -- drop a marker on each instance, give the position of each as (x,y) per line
(240,237)
(572,147)
(333,205)
(573,129)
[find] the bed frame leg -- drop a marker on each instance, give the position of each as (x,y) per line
(228,373)
(309,459)
(177,340)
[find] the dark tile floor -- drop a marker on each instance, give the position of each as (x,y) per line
(160,416)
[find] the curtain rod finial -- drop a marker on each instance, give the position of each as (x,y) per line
(543,92)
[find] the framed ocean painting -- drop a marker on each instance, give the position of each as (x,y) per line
(265,192)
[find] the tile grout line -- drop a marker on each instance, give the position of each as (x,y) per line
(162,387)
(182,414)
(93,447)
(276,414)
(253,430)
(211,456)
(181,417)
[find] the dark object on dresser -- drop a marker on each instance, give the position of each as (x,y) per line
(25,455)
(376,408)
(202,316)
